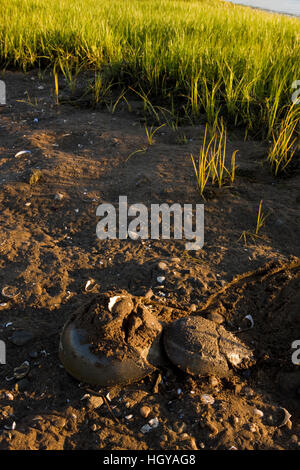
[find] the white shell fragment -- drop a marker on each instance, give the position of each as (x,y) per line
(85,396)
(152,424)
(250,318)
(160,279)
(22,153)
(207,399)
(89,285)
(286,417)
(9,292)
(258,413)
(112,302)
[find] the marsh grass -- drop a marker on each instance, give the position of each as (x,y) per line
(210,166)
(150,133)
(284,146)
(199,57)
(260,223)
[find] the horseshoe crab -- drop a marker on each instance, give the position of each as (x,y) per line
(117,340)
(199,347)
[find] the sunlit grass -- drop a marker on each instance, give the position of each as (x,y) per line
(211,166)
(284,146)
(204,58)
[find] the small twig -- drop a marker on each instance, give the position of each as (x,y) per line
(105,400)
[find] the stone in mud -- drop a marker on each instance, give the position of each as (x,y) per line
(21,337)
(215,317)
(201,347)
(113,340)
(94,402)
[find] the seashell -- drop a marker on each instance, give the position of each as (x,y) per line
(250,318)
(207,399)
(112,302)
(10,292)
(21,371)
(200,347)
(90,285)
(22,153)
(258,413)
(160,279)
(286,418)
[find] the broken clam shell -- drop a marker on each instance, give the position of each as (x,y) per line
(10,292)
(22,153)
(200,347)
(21,371)
(115,340)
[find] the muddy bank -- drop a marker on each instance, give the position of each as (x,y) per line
(49,251)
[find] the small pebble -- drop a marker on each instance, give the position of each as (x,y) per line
(94,402)
(146,428)
(215,317)
(160,279)
(145,411)
(20,338)
(213,381)
(162,266)
(258,413)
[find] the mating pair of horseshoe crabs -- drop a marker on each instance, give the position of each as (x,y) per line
(117,340)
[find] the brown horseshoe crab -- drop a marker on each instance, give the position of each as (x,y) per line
(117,340)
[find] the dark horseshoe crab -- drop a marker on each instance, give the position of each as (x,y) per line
(117,340)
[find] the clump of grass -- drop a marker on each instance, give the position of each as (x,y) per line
(211,162)
(260,223)
(284,146)
(151,132)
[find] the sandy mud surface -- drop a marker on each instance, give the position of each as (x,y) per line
(49,251)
